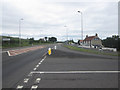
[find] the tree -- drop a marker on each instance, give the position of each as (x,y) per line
(31,40)
(112,42)
(52,39)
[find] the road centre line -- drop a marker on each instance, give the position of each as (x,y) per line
(26,80)
(34,68)
(39,63)
(72,72)
(37,66)
(30,74)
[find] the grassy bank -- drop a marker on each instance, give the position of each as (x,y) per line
(89,50)
(22,45)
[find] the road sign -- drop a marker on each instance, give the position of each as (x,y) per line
(6,39)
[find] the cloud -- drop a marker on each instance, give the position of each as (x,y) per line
(45,18)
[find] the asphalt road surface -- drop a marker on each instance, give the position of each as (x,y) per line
(64,68)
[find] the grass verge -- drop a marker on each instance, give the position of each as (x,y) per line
(90,51)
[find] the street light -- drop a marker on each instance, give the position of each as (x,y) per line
(20,31)
(81,24)
(66,33)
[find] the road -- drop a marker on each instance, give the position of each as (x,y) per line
(64,68)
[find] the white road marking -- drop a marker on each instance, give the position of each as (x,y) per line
(39,63)
(38,80)
(78,72)
(34,68)
(26,80)
(37,66)
(42,60)
(44,54)
(34,87)
(44,57)
(19,87)
(8,53)
(30,74)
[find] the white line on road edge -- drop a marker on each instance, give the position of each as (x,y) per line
(69,72)
(8,53)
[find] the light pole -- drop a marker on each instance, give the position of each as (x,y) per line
(81,24)
(66,33)
(20,31)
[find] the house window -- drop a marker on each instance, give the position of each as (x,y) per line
(96,38)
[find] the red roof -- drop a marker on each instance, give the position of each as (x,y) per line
(81,40)
(89,38)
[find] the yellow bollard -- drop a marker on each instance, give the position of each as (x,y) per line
(49,51)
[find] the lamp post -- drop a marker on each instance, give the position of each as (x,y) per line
(20,31)
(81,24)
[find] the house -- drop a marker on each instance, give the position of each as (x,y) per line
(80,42)
(92,41)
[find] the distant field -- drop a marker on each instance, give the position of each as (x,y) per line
(14,42)
(90,51)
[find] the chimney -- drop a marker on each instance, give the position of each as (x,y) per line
(86,36)
(96,34)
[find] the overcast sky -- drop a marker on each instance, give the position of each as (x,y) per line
(47,18)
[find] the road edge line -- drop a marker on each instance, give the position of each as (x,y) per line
(9,53)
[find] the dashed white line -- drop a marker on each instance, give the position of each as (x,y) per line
(34,68)
(37,66)
(34,87)
(30,74)
(39,63)
(19,87)
(26,80)
(38,80)
(44,57)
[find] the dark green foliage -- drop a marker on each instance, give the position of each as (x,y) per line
(31,40)
(52,39)
(14,42)
(112,42)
